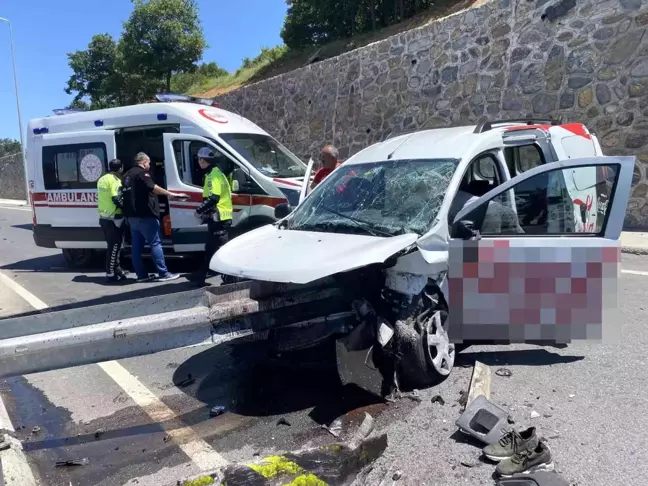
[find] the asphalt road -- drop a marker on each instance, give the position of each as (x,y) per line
(591,398)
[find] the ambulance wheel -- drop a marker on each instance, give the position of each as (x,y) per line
(78,258)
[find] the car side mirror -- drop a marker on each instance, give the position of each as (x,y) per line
(282,210)
(465,230)
(235,186)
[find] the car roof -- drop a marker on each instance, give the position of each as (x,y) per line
(443,143)
(439,143)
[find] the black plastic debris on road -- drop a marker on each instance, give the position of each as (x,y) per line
(73,462)
(189,380)
(397,475)
(504,372)
(216,411)
(483,420)
(438,399)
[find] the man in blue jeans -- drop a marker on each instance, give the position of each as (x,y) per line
(142,208)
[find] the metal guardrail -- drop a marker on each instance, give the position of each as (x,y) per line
(68,338)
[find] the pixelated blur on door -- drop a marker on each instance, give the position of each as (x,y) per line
(534,274)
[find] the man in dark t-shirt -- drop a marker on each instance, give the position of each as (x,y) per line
(142,208)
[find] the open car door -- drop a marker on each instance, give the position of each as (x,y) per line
(305,189)
(531,272)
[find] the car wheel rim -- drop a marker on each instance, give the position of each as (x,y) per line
(440,351)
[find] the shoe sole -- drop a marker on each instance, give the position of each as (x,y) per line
(495,458)
(548,466)
(176,277)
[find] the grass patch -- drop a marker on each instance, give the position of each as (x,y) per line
(279,60)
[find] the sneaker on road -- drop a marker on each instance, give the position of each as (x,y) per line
(510,443)
(148,278)
(116,278)
(168,277)
(527,461)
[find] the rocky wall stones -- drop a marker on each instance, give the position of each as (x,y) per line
(12,178)
(584,60)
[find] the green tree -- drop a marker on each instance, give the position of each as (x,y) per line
(9,146)
(312,22)
(95,73)
(162,37)
(183,82)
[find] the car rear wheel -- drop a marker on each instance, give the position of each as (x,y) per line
(78,258)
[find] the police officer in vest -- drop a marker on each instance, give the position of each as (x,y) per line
(111,218)
(216,209)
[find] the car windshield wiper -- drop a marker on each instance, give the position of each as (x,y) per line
(362,224)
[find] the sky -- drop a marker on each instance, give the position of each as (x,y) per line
(44,31)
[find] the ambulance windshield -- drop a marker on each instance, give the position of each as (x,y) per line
(266,154)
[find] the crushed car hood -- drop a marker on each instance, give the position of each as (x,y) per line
(285,256)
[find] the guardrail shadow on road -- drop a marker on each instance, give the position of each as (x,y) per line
(260,384)
(247,382)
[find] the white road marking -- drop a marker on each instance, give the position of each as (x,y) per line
(15,467)
(15,208)
(5,421)
(30,298)
(199,451)
(635,272)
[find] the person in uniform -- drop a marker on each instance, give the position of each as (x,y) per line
(216,210)
(111,218)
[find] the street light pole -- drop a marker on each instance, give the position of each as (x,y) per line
(20,124)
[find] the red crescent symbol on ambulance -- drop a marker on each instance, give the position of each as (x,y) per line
(213,116)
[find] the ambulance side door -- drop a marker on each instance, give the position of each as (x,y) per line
(184,175)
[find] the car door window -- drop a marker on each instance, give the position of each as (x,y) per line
(482,176)
(559,202)
(523,158)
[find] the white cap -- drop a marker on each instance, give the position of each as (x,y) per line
(206,153)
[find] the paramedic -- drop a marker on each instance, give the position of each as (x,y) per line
(216,209)
(329,158)
(142,209)
(111,218)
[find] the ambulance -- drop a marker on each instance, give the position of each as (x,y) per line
(69,151)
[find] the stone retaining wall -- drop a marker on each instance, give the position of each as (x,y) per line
(582,60)
(12,178)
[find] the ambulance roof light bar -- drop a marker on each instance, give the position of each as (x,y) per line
(67,111)
(175,97)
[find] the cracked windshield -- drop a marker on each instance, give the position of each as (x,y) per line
(266,154)
(387,198)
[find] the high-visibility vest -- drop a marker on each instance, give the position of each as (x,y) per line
(216,183)
(108,187)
